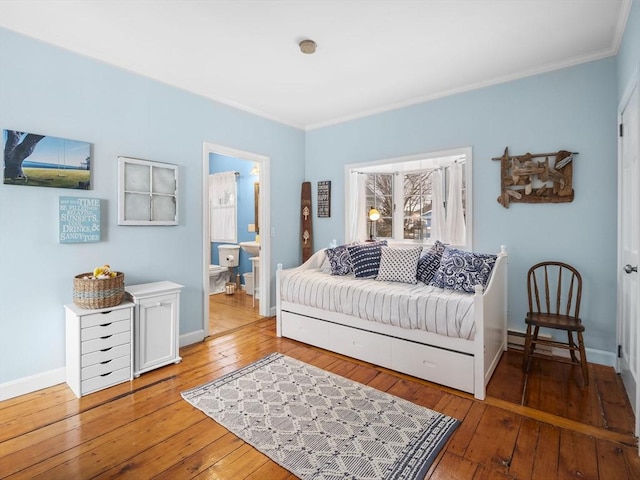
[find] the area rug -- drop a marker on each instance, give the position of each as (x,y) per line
(319,425)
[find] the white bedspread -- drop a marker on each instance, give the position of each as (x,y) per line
(419,306)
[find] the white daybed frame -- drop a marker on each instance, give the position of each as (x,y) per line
(465,365)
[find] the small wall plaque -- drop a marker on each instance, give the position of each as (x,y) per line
(79,220)
(324,198)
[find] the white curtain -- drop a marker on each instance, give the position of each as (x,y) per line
(222,207)
(438,219)
(455,224)
(356,212)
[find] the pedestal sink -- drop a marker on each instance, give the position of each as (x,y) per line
(252,248)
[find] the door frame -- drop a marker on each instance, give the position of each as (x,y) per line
(634,85)
(264,279)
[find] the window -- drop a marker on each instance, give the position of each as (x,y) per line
(148,192)
(420,198)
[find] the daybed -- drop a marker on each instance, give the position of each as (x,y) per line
(444,336)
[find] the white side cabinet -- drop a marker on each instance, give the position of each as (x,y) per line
(99,347)
(156,325)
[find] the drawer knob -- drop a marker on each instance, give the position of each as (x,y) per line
(105,362)
(106,374)
(106,349)
(106,336)
(105,324)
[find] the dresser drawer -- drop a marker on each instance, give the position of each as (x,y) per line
(108,353)
(106,342)
(106,329)
(106,380)
(105,367)
(106,317)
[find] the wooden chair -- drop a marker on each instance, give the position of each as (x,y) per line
(555,291)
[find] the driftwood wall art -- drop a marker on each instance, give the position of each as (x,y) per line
(525,179)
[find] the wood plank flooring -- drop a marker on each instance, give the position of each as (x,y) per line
(530,427)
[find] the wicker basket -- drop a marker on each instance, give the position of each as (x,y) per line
(98,292)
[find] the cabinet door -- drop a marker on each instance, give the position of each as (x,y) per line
(156,332)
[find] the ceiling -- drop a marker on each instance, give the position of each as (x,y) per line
(372,55)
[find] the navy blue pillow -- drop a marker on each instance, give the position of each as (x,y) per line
(339,260)
(365,258)
(429,263)
(462,271)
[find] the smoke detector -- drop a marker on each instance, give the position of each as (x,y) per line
(307,46)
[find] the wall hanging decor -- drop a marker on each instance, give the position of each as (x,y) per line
(306,226)
(324,198)
(79,220)
(42,161)
(536,177)
(147,192)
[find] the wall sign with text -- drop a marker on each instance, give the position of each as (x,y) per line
(324,198)
(79,220)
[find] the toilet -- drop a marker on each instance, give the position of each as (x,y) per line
(218,276)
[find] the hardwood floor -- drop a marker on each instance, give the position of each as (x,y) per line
(538,426)
(229,312)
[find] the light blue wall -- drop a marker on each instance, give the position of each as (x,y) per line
(574,109)
(245,206)
(629,53)
(46,90)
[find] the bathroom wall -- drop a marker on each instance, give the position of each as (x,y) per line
(221,163)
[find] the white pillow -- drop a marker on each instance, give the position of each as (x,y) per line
(399,264)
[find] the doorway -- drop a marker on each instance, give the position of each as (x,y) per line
(629,247)
(264,272)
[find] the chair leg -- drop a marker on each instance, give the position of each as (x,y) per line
(572,347)
(527,346)
(583,360)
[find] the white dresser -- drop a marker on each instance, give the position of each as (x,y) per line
(99,347)
(156,324)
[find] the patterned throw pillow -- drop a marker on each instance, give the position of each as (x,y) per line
(462,271)
(429,263)
(365,258)
(399,264)
(340,260)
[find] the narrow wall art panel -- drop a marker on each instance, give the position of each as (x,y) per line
(42,161)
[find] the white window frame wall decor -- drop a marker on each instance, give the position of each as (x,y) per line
(147,192)
(399,167)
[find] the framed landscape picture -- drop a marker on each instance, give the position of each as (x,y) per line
(42,161)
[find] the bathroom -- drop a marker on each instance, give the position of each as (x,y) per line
(233,277)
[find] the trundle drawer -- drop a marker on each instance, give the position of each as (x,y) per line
(106,342)
(367,346)
(106,380)
(438,365)
(305,329)
(105,367)
(106,329)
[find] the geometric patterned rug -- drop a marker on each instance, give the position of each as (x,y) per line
(319,425)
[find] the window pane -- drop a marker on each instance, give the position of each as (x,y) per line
(379,195)
(417,206)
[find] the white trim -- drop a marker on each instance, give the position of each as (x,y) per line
(191,337)
(466,151)
(600,357)
(22,386)
(264,212)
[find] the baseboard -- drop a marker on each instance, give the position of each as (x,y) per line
(25,385)
(515,339)
(191,338)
